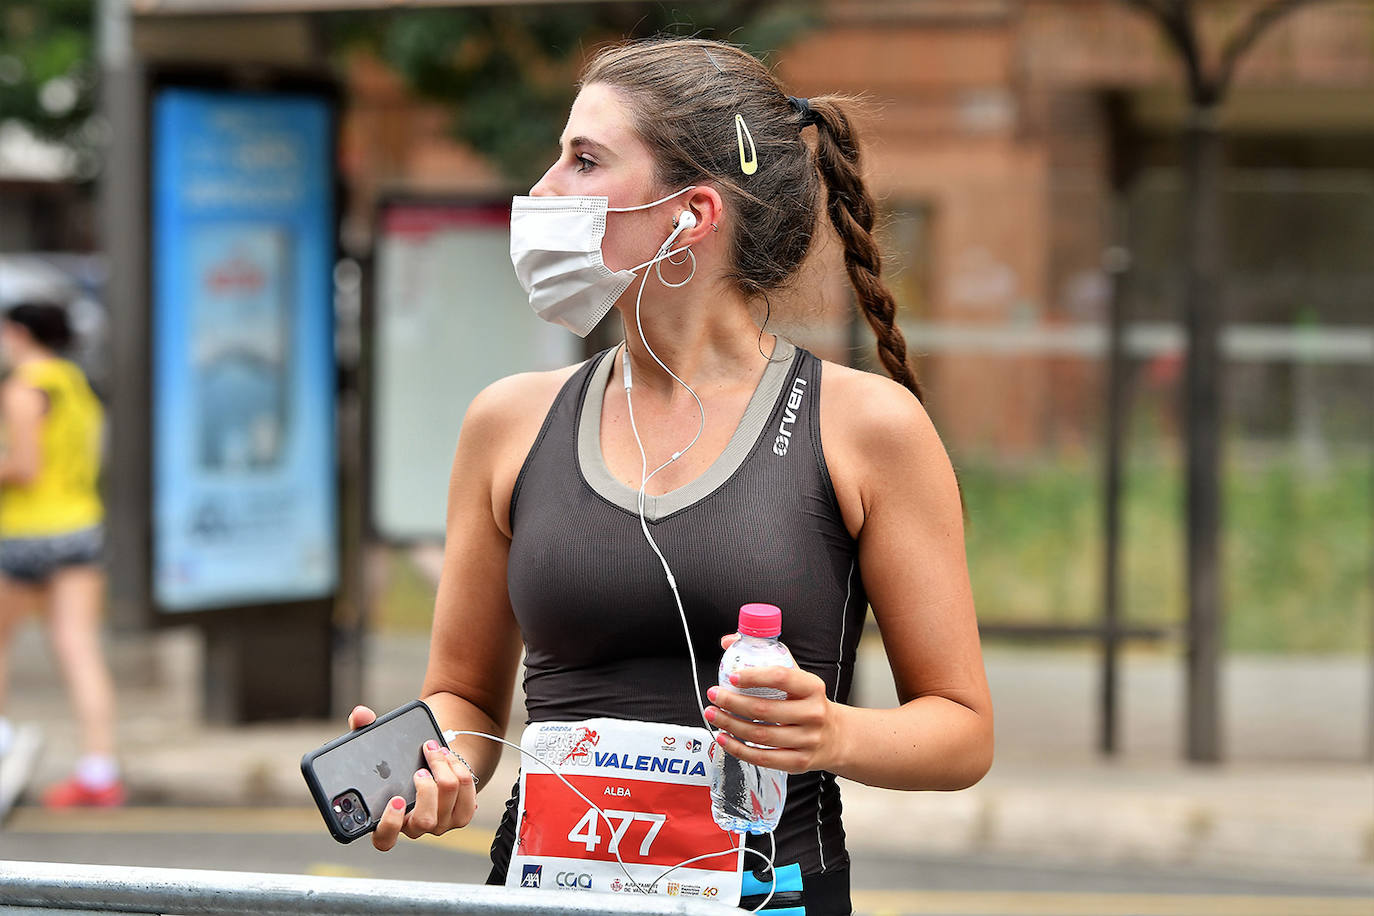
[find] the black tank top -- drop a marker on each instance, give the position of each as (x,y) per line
(601,629)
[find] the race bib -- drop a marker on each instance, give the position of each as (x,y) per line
(653,783)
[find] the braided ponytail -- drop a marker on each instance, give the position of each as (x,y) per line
(850,208)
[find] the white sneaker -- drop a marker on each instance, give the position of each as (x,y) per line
(16,766)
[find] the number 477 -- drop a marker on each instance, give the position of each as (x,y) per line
(585,831)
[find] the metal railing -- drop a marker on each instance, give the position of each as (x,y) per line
(189,892)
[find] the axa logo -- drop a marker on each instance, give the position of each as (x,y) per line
(789,417)
(531,875)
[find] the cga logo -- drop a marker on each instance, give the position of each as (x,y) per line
(531,875)
(693,745)
(573,879)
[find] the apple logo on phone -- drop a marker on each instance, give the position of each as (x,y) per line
(383,770)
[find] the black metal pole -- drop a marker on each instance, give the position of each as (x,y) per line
(1116,263)
(1204,244)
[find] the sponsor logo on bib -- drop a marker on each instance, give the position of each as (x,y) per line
(573,879)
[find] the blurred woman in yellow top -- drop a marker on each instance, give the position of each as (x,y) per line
(51,532)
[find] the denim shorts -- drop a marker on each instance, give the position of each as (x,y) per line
(33,561)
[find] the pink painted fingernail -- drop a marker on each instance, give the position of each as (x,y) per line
(398,803)
(711,693)
(734,678)
(431,745)
(720,738)
(422,773)
(710,714)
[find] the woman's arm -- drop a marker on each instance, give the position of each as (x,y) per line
(23,409)
(898,495)
(475,644)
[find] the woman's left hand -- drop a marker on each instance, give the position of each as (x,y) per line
(801,732)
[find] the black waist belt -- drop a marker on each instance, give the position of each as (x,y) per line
(821,894)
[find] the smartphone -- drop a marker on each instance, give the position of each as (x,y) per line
(353,777)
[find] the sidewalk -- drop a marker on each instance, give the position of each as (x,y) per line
(1296,797)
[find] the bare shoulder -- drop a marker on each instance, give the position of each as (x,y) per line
(872,411)
(505,417)
(508,401)
(877,438)
(499,430)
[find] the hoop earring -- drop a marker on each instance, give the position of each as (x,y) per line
(658,269)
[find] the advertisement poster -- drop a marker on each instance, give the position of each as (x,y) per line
(450,319)
(244,464)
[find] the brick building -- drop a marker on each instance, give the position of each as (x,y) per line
(1012,142)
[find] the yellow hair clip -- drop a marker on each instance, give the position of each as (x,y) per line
(747,164)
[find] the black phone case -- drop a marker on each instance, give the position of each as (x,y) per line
(377,761)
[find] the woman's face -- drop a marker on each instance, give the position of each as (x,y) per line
(601,155)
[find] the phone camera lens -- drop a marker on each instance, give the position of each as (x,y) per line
(346,805)
(360,818)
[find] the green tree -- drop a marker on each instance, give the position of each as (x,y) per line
(508,72)
(48,72)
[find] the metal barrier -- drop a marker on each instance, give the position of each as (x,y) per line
(41,887)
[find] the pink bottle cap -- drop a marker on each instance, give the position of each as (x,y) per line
(760,620)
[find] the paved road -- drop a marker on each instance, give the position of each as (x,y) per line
(292,840)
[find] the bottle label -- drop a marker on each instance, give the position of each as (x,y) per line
(652,783)
(767,693)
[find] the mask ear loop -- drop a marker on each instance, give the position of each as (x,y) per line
(661,200)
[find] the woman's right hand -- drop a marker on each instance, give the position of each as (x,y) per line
(445,794)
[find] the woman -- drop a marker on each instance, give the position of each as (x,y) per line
(811,486)
(51,535)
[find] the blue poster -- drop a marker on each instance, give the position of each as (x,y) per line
(244,464)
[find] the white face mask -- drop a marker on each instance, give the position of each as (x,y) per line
(555,246)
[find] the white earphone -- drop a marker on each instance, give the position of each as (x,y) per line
(685,220)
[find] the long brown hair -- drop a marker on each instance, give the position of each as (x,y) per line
(685,94)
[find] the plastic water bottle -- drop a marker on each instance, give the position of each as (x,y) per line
(746,798)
